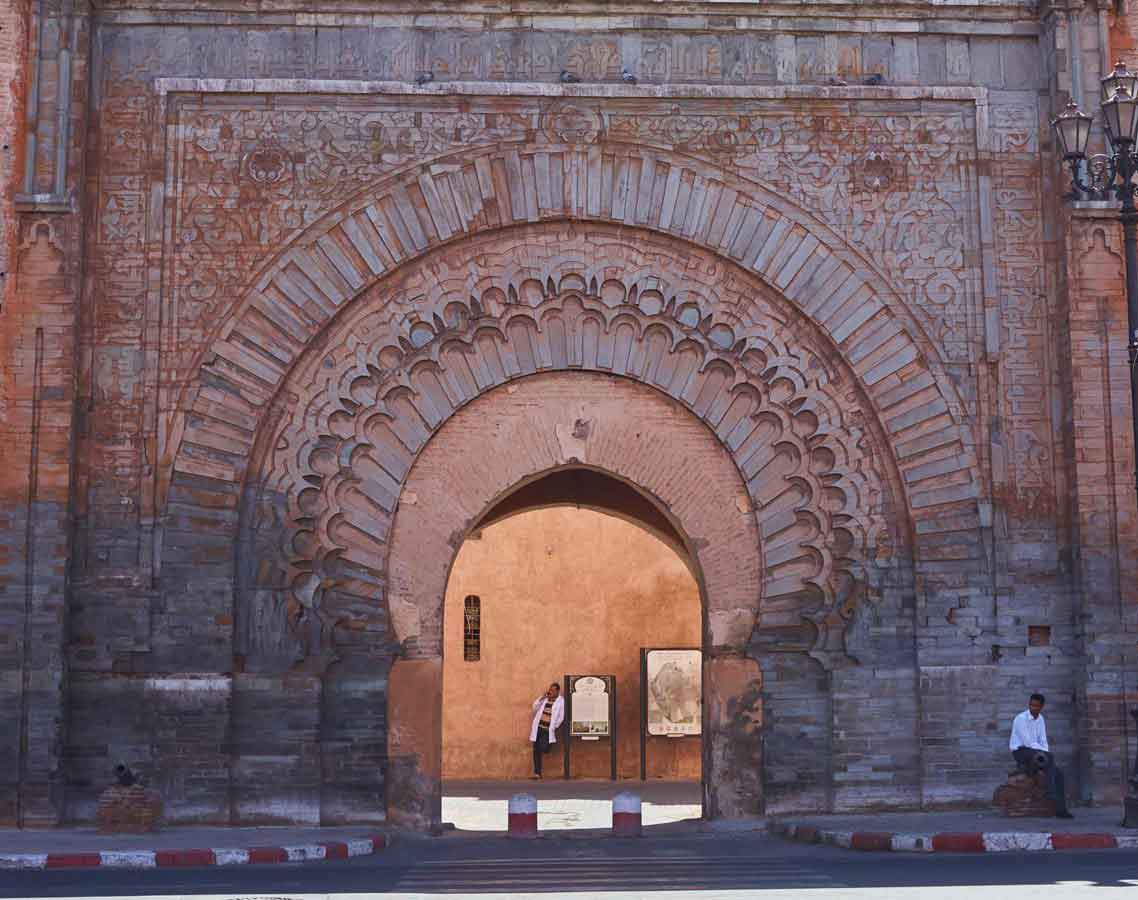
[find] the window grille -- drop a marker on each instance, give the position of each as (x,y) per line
(472,629)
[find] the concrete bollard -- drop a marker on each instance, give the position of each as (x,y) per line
(626,820)
(522,816)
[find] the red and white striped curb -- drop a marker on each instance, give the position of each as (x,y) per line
(955,841)
(158,859)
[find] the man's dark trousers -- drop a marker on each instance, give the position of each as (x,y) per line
(1031,760)
(540,748)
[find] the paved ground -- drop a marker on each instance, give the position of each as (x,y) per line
(702,867)
(576,804)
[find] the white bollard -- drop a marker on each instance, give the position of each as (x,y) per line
(626,820)
(522,816)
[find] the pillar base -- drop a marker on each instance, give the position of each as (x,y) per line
(414,787)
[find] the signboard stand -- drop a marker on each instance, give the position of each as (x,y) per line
(609,733)
(645,652)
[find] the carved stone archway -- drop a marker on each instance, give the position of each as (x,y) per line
(568,173)
(315,584)
(331,466)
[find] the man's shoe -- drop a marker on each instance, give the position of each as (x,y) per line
(1064,815)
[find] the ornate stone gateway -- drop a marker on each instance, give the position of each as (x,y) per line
(394,432)
(285,324)
(569,284)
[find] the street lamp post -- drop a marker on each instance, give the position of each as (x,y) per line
(1106,176)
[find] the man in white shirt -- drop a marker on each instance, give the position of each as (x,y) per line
(1028,744)
(548,713)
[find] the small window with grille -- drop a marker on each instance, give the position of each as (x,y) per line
(472,629)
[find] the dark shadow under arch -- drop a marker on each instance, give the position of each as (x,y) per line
(587,488)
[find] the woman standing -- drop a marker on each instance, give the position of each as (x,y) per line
(548,713)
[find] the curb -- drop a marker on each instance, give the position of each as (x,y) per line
(955,842)
(213,856)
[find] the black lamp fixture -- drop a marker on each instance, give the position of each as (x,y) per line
(1119,77)
(1120,113)
(1073,128)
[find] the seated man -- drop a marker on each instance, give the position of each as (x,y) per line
(1029,747)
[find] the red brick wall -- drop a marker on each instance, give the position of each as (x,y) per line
(1103,497)
(13,52)
(1124,37)
(41,251)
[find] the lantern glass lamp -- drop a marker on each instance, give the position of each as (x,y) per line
(1120,77)
(1121,114)
(1073,128)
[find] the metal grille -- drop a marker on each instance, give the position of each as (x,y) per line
(472,629)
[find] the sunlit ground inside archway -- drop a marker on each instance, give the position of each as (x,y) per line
(539,595)
(561,805)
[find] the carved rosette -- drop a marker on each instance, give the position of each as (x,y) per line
(267,164)
(567,122)
(876,172)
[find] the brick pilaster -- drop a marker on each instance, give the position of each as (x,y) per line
(37,369)
(1102,497)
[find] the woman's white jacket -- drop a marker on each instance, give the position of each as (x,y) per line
(557,716)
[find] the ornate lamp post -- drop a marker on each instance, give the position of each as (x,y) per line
(1107,176)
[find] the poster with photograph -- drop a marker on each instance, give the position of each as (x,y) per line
(675,691)
(590,705)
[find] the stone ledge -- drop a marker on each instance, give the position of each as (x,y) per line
(584,90)
(963,19)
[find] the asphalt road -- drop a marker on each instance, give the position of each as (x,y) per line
(709,867)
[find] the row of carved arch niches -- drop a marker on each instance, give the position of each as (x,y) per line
(330,464)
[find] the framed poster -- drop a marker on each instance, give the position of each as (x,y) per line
(589,703)
(590,707)
(673,684)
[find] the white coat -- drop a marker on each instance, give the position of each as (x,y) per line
(556,717)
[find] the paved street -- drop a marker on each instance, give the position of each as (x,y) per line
(705,867)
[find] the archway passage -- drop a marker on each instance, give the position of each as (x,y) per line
(512,436)
(554,588)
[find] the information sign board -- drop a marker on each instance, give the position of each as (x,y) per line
(590,705)
(675,690)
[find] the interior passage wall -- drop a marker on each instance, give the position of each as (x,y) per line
(563,591)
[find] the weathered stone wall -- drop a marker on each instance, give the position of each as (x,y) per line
(13,48)
(1102,489)
(902,237)
(39,329)
(1098,444)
